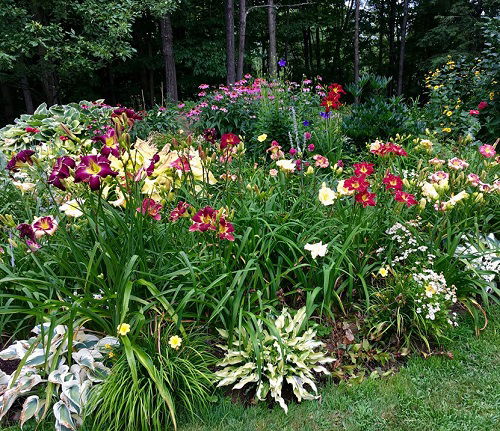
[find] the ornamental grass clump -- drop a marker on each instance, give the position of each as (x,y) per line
(283,353)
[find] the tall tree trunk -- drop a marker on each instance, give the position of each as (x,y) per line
(229,16)
(392,50)
(25,87)
(241,40)
(271,19)
(380,37)
(307,51)
(151,77)
(356,45)
(8,108)
(318,52)
(402,48)
(167,43)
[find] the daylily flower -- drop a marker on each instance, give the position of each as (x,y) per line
(151,208)
(365,198)
(363,169)
(72,208)
(273,172)
(262,138)
(204,220)
(91,169)
(60,172)
(286,165)
(405,198)
(326,195)
(26,231)
(436,162)
(487,150)
(123,329)
(32,245)
(317,249)
(179,211)
(275,150)
(175,342)
(393,182)
(457,164)
(229,139)
(225,230)
(44,225)
(343,190)
(439,176)
(474,179)
(383,271)
(382,149)
(429,191)
(358,184)
(23,158)
(321,161)
(110,143)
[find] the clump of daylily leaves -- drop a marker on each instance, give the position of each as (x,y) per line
(283,353)
(44,363)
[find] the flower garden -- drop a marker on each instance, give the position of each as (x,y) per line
(251,244)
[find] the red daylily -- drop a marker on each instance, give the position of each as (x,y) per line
(405,198)
(60,171)
(393,182)
(226,230)
(204,220)
(44,226)
(20,159)
(363,169)
(229,139)
(358,184)
(179,211)
(366,198)
(151,208)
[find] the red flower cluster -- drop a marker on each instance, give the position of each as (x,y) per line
(151,208)
(395,183)
(332,99)
(388,148)
(207,219)
(180,211)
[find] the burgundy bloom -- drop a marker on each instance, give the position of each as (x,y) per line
(210,135)
(20,159)
(393,182)
(365,198)
(204,220)
(310,147)
(26,231)
(60,171)
(32,245)
(229,139)
(150,169)
(482,105)
(179,211)
(91,169)
(226,230)
(31,130)
(44,226)
(293,151)
(151,207)
(110,143)
(181,164)
(130,113)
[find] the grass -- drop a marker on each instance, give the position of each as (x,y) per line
(427,394)
(435,394)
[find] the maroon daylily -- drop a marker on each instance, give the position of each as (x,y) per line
(229,139)
(110,143)
(151,207)
(204,220)
(91,169)
(26,231)
(44,226)
(20,159)
(60,171)
(179,211)
(226,230)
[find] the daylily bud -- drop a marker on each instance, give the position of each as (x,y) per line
(7,220)
(68,132)
(422,204)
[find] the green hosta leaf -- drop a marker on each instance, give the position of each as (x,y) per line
(63,416)
(30,407)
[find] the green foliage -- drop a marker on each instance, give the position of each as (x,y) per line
(123,403)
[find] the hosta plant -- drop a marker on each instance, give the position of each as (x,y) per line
(43,363)
(283,352)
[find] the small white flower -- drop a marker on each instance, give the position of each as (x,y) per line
(318,249)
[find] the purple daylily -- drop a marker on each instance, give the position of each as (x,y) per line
(91,169)
(60,171)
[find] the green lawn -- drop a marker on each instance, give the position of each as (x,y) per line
(462,394)
(435,394)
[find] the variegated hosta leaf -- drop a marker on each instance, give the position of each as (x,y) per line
(99,373)
(84,358)
(107,341)
(57,376)
(4,379)
(248,379)
(27,382)
(30,408)
(37,358)
(230,374)
(233,357)
(297,321)
(6,401)
(72,391)
(63,416)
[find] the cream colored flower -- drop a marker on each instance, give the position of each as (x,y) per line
(383,271)
(317,249)
(342,190)
(429,191)
(175,342)
(286,165)
(326,195)
(72,208)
